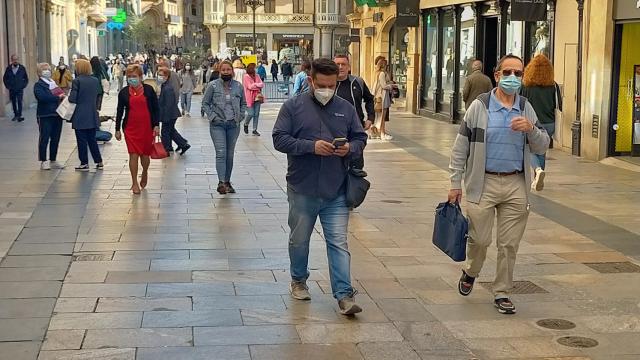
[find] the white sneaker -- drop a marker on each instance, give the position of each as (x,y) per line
(56,165)
(45,165)
(538,181)
(188,114)
(386,137)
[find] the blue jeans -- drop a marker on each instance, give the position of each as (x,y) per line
(185,101)
(334,217)
(224,136)
(50,131)
(87,138)
(253,113)
(16,102)
(538,161)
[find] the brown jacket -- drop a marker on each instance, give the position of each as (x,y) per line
(477,83)
(62,79)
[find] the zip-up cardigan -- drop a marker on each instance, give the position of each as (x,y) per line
(123,107)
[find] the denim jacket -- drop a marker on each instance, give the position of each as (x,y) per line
(213,101)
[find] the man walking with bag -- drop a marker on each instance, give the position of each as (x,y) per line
(492,153)
(15,80)
(319,132)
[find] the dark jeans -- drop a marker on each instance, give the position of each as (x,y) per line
(16,102)
(99,101)
(87,138)
(50,130)
(169,134)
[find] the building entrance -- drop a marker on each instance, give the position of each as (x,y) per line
(490,50)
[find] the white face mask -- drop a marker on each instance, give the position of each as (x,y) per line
(324,95)
(46,74)
(161,79)
(188,67)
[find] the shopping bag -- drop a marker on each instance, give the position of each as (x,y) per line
(450,231)
(157,150)
(66,109)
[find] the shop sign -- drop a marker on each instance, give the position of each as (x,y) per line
(528,10)
(293,36)
(408,13)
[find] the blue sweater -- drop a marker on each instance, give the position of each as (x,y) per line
(297,129)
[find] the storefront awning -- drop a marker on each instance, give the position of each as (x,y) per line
(370,3)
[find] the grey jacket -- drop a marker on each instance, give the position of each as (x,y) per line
(213,101)
(468,156)
(84,92)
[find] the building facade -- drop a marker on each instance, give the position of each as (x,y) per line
(297,29)
(594,61)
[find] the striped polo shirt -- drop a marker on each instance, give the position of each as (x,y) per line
(505,147)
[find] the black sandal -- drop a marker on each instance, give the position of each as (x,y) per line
(505,306)
(465,285)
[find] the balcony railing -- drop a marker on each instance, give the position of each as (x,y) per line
(215,18)
(331,19)
(295,19)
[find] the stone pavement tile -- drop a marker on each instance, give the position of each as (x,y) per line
(143,304)
(235,276)
(430,335)
(541,346)
(42,249)
(264,288)
(190,264)
(102,290)
(30,289)
(24,329)
(36,261)
(124,338)
(63,340)
(145,255)
(611,324)
(26,308)
(120,320)
(290,316)
(449,270)
(108,238)
(529,310)
(190,245)
(404,310)
(226,254)
(174,319)
(246,335)
(388,351)
(116,246)
(348,333)
(134,277)
(403,260)
(191,289)
(76,305)
(594,257)
(33,274)
(270,302)
(505,328)
(195,353)
(326,303)
(486,348)
(305,351)
(89,354)
(429,284)
(259,264)
(24,350)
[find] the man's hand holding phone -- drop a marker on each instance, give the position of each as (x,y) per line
(341,147)
(324,148)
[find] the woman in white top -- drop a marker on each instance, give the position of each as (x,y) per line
(188,82)
(382,94)
(238,71)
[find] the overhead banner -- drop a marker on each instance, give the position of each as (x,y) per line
(408,13)
(528,10)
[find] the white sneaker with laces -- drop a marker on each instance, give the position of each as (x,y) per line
(538,182)
(45,165)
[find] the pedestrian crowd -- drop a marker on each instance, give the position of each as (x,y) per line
(323,128)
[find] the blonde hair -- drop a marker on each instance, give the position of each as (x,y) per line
(83,67)
(134,69)
(41,67)
(237,64)
(165,71)
(539,72)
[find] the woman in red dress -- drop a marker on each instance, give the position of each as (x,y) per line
(138,114)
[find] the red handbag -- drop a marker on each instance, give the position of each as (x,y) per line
(157,150)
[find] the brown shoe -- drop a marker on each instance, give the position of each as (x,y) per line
(222,188)
(230,189)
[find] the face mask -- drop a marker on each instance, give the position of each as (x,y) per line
(226,77)
(188,68)
(324,95)
(510,84)
(62,67)
(133,82)
(161,80)
(46,74)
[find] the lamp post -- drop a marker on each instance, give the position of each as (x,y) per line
(576,125)
(254,4)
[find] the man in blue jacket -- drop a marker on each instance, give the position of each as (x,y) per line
(320,133)
(15,79)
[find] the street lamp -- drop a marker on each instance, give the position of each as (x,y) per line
(254,4)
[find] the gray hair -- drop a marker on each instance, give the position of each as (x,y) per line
(477,65)
(41,67)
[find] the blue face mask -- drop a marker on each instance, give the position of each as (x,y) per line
(510,84)
(133,82)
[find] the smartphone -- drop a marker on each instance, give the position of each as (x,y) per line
(337,142)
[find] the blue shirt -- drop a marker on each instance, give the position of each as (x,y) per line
(505,147)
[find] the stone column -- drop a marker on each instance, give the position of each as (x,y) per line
(326,41)
(215,39)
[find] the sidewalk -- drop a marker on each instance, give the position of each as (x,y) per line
(181,272)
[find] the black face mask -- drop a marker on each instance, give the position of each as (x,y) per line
(226,77)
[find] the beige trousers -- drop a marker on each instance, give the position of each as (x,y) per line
(504,197)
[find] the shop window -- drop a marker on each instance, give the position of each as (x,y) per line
(270,6)
(467,48)
(515,30)
(298,6)
(540,41)
(449,59)
(398,57)
(194,10)
(241,7)
(430,38)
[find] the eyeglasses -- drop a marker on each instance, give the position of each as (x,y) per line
(508,72)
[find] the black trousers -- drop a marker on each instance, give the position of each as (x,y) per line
(50,131)
(16,102)
(169,134)
(87,138)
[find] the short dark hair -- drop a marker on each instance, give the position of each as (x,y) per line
(341,56)
(324,66)
(306,65)
(507,57)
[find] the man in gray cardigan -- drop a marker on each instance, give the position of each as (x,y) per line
(492,153)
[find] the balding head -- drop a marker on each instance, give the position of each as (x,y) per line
(477,65)
(14,59)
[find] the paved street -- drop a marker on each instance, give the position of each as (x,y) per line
(180,272)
